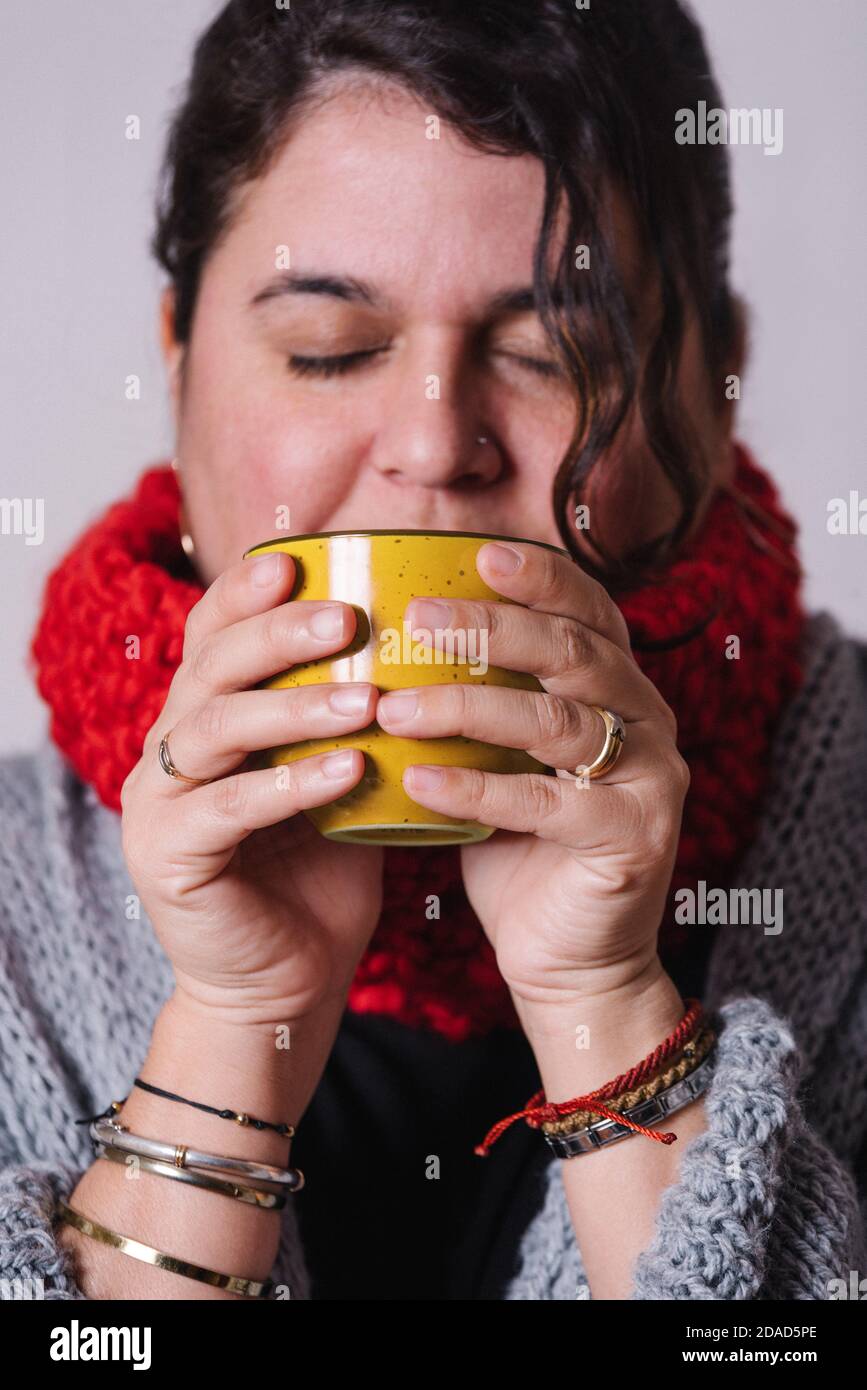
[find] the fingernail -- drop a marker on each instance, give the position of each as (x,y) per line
(502,559)
(430,613)
(266,569)
(338,764)
(349,699)
(399,705)
(327,622)
(425,777)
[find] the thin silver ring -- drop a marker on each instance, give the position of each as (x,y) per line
(168,766)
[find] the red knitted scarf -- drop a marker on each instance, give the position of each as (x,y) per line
(128,575)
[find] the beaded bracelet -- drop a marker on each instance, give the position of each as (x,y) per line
(693,1053)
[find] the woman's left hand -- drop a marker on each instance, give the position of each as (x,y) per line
(571,888)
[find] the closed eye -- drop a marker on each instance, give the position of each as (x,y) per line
(346,362)
(535,364)
(331,366)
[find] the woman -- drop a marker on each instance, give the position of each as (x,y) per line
(425,262)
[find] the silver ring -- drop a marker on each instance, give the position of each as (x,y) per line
(168,766)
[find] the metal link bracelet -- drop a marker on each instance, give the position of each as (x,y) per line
(647,1112)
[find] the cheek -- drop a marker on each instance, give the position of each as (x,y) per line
(255,465)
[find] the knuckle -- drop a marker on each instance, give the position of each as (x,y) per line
(458,705)
(680,772)
(599,604)
(661,822)
(545,796)
(573,646)
(620,625)
(211,720)
(231,798)
(493,620)
(194,626)
(481,791)
(271,630)
(550,573)
(557,719)
(670,718)
(202,662)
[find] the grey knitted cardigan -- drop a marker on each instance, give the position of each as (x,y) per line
(770,1199)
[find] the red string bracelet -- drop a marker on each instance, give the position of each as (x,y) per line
(538,1110)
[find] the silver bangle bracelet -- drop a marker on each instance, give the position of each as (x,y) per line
(646,1112)
(116,1136)
(255,1196)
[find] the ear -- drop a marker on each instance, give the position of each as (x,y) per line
(173,351)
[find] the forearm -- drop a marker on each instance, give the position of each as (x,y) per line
(220,1064)
(613,1193)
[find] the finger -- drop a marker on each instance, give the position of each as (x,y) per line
(215,738)
(570,658)
(554,583)
(250,586)
(264,645)
(591,816)
(225,812)
(556,731)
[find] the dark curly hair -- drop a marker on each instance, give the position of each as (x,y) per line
(592,94)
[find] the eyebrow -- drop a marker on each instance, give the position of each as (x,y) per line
(289,282)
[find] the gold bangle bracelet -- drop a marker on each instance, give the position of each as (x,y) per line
(693,1052)
(249,1288)
(256,1196)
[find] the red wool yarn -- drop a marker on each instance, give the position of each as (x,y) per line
(127,578)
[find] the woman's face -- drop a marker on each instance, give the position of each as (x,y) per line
(416,255)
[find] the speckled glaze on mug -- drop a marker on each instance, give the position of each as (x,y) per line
(378,572)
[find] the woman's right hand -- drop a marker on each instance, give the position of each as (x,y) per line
(260,915)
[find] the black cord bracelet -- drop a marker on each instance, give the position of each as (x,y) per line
(237,1116)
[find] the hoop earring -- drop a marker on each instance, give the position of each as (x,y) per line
(187,543)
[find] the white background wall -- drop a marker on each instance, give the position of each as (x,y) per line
(79,291)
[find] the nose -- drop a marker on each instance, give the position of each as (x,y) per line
(434,433)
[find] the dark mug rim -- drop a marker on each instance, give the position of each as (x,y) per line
(404,531)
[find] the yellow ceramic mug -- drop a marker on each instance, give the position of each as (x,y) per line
(378,572)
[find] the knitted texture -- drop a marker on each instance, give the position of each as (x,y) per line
(766,1204)
(771,1200)
(128,577)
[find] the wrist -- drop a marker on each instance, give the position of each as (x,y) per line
(583,1039)
(248,1007)
(268,1070)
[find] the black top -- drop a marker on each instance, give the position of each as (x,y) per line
(396,1205)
